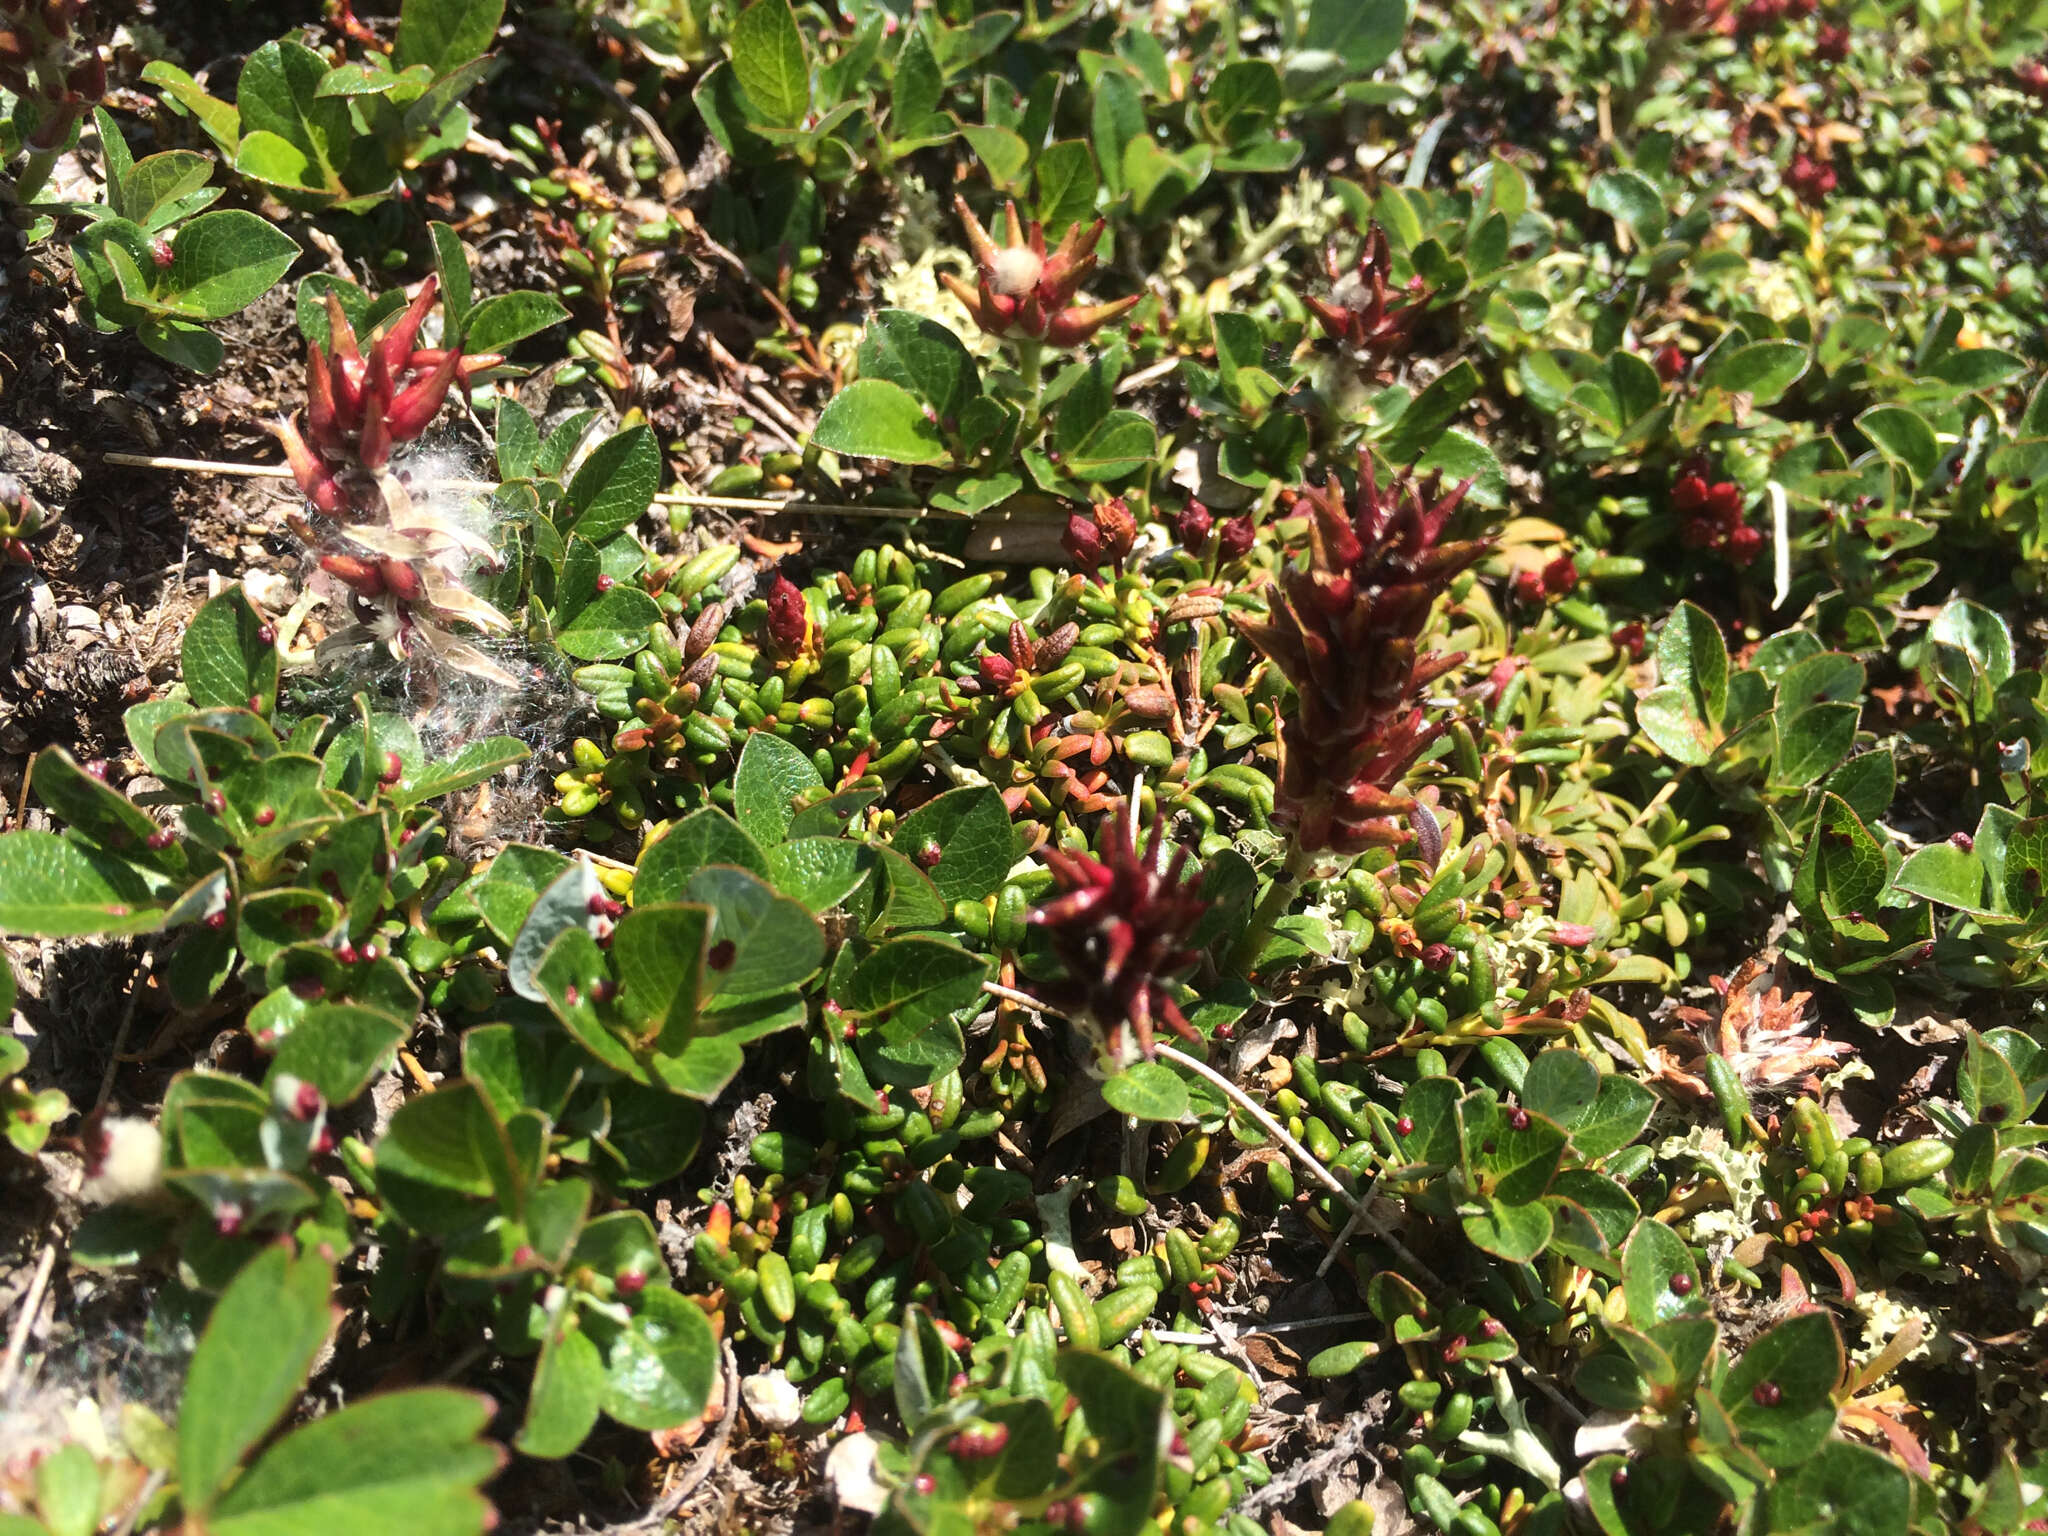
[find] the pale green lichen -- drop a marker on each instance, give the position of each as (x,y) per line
(1741,1172)
(1885,1318)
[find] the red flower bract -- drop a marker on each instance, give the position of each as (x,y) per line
(359,405)
(1812,181)
(1120,926)
(1344,632)
(1358,312)
(1713,513)
(1024,291)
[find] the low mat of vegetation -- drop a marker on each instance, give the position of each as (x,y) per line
(1024,765)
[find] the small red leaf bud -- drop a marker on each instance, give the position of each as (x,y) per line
(788,617)
(997,671)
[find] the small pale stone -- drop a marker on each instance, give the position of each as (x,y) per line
(850,1469)
(268,590)
(772,1399)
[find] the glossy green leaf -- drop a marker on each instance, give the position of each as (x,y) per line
(1944,873)
(567,1392)
(1120,444)
(879,419)
(53,888)
(1980,634)
(1066,180)
(1844,1490)
(1148,1090)
(771,64)
(409,1461)
(820,872)
(224,261)
(1430,412)
(1763,370)
(1990,1090)
(611,626)
(1517,1233)
(1561,1084)
(771,775)
(469,764)
(339,1048)
(1631,199)
(1844,864)
(1811,742)
(505,318)
(291,137)
(227,663)
(1780,1393)
(1903,436)
(922,356)
(1619,1112)
(708,836)
(658,950)
(444,34)
(761,941)
(962,840)
(249,1367)
(1659,1278)
(1362,33)
(907,992)
(610,489)
(660,1368)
